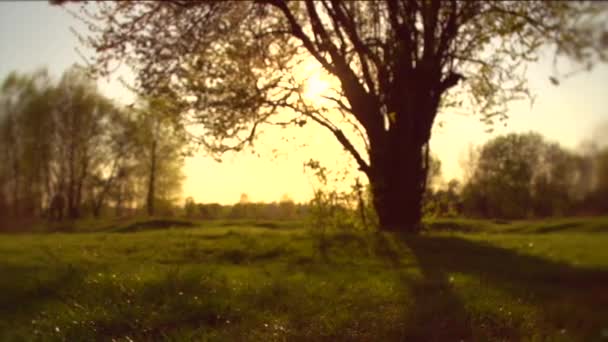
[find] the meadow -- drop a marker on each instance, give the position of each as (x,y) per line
(185,280)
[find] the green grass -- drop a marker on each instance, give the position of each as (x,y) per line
(272,281)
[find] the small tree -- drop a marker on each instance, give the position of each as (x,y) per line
(161,146)
(287,207)
(189,207)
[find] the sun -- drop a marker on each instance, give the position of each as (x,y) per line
(315,88)
(316,83)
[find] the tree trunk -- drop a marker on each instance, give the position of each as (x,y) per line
(16,190)
(119,200)
(397,186)
(399,159)
(71,193)
(151,180)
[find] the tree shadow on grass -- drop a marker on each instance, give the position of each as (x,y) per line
(437,313)
(569,297)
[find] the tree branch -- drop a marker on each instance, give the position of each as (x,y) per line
(298,32)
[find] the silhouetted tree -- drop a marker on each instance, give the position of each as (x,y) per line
(230,66)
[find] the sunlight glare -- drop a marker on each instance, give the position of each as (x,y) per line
(316,85)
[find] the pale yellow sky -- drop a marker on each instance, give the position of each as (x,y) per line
(34,34)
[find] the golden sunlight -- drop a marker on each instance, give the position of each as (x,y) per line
(315,87)
(316,83)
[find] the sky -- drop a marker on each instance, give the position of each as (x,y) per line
(34,35)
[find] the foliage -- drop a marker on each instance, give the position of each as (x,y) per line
(521,175)
(331,208)
(162,143)
(594,196)
(25,141)
(222,70)
(443,202)
(284,210)
(59,138)
(63,138)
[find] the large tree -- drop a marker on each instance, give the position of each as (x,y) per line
(231,66)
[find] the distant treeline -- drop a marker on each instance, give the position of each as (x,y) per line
(286,209)
(525,176)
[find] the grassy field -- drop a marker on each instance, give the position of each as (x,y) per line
(269,281)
